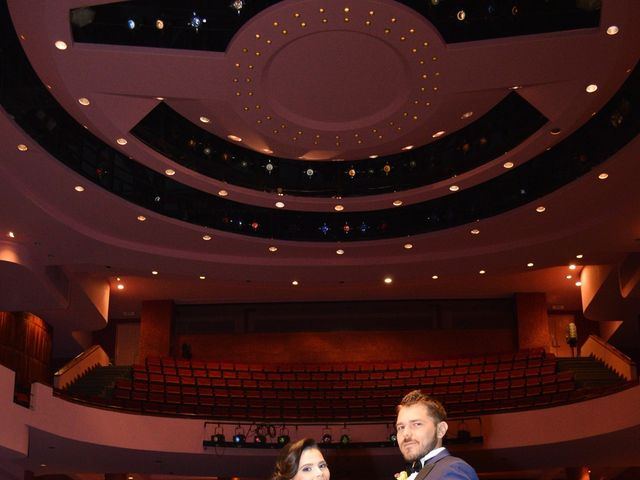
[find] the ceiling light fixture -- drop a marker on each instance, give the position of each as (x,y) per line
(120,286)
(454,188)
(202,277)
(408,147)
(121,141)
(204,119)
(540,209)
(235,138)
(373,156)
(84,101)
(591,88)
(530,264)
(273,248)
(170,171)
(154,272)
(578,284)
(388,280)
(295,283)
(435,277)
(206,237)
(79,188)
(141,218)
(11,235)
(223,193)
(338,208)
(569,277)
(466,115)
(397,203)
(579,255)
(572,266)
(340,251)
(612,30)
(60,45)
(507,165)
(22,147)
(475,231)
(438,134)
(407,246)
(279,204)
(482,272)
(603,176)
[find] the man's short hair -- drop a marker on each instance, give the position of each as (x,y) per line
(434,407)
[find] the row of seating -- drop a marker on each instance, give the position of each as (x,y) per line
(522,358)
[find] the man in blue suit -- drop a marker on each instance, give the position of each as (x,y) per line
(420,427)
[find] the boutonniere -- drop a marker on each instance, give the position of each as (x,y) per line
(402,475)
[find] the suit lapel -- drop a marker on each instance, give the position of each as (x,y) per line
(430,464)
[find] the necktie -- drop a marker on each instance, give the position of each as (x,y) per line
(416,466)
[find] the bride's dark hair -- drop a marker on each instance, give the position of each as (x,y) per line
(289,458)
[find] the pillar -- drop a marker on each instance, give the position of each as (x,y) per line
(533,322)
(156,319)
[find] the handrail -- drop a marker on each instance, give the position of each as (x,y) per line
(77,367)
(611,356)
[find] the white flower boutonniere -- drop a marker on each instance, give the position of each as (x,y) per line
(402,475)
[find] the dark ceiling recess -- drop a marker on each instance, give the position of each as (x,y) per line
(210,25)
(167,132)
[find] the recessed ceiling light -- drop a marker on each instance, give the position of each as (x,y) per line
(338,208)
(572,266)
(202,277)
(22,147)
(160,98)
(154,272)
(204,119)
(280,204)
(295,283)
(435,277)
(408,147)
(530,264)
(84,101)
(612,30)
(475,231)
(408,246)
(578,284)
(466,115)
(60,45)
(438,134)
(121,141)
(340,251)
(388,280)
(223,193)
(141,218)
(273,248)
(235,138)
(540,209)
(373,156)
(11,235)
(591,88)
(569,277)
(267,150)
(206,237)
(603,176)
(397,203)
(79,188)
(555,131)
(507,165)
(482,272)
(170,171)
(454,188)
(120,286)
(579,255)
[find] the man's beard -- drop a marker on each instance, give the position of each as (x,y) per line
(430,446)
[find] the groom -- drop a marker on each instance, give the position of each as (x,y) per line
(420,429)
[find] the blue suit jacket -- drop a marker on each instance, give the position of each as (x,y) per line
(445,466)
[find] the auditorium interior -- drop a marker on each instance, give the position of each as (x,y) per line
(225,225)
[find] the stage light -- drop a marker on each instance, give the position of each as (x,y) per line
(344,439)
(393,438)
(326,437)
(260,439)
(283,439)
(239,439)
(217,439)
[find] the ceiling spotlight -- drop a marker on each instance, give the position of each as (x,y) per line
(454,188)
(408,147)
(340,251)
(373,156)
(206,237)
(461,15)
(309,172)
(572,266)
(235,138)
(569,277)
(279,204)
(120,286)
(79,188)
(612,30)
(507,165)
(237,5)
(131,24)
(273,248)
(154,272)
(84,101)
(475,231)
(22,147)
(338,208)
(408,246)
(438,134)
(205,119)
(578,284)
(170,172)
(397,203)
(603,176)
(579,255)
(591,88)
(466,115)
(388,280)
(141,218)
(223,193)
(11,235)
(260,439)
(435,277)
(121,141)
(530,264)
(295,283)
(196,22)
(60,45)
(540,209)
(159,24)
(202,277)
(482,272)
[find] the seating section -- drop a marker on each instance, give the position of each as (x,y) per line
(337,392)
